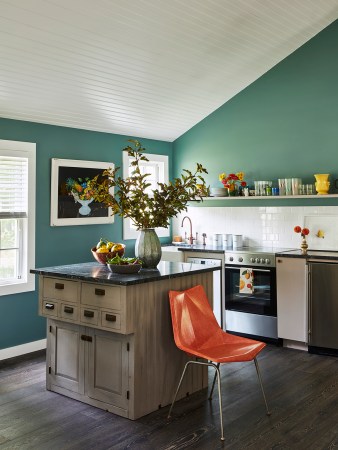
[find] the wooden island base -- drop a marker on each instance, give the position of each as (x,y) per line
(111,345)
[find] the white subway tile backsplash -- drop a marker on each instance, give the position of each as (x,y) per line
(265,225)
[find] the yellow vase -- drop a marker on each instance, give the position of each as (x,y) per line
(322,183)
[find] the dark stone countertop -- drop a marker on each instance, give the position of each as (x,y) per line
(311,254)
(208,248)
(99,273)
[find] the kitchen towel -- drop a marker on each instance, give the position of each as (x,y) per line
(246,285)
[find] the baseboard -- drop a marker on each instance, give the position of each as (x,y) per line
(295,344)
(18,350)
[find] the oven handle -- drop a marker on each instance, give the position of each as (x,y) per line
(253,268)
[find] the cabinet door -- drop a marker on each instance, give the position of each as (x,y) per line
(108,367)
(292,298)
(66,356)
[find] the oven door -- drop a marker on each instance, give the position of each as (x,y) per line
(263,299)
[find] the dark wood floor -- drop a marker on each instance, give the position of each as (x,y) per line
(302,391)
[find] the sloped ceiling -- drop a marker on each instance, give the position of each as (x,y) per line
(147,68)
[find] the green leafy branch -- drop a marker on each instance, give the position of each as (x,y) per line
(132,199)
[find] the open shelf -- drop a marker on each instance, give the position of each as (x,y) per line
(272,197)
(269,200)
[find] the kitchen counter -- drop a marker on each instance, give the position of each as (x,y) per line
(208,248)
(99,273)
(311,254)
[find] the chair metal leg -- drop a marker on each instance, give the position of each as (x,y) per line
(213,383)
(217,374)
(220,399)
(260,381)
(178,388)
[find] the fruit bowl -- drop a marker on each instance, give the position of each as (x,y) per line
(102,257)
(124,268)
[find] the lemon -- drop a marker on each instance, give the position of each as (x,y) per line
(117,247)
(102,249)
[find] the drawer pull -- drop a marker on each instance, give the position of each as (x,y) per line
(100,292)
(68,310)
(59,286)
(87,313)
(84,337)
(110,318)
(49,306)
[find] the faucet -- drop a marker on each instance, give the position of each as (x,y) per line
(191,238)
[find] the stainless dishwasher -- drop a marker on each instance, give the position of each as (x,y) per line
(323,306)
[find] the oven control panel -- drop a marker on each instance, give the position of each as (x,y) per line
(250,259)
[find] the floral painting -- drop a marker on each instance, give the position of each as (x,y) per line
(72,200)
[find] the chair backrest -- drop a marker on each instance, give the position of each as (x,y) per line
(193,320)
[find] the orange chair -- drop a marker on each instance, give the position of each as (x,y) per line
(197,333)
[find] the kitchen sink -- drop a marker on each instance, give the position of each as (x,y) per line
(174,248)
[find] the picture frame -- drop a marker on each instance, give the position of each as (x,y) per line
(68,207)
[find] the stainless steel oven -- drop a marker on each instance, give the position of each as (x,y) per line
(253,313)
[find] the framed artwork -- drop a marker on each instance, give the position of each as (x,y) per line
(71,203)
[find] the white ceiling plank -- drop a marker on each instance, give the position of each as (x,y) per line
(147,68)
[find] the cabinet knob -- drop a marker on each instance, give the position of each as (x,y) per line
(87,313)
(110,317)
(279,261)
(59,286)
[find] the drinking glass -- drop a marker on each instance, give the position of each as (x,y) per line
(296,182)
(302,189)
(257,188)
(268,188)
(281,184)
(288,186)
(310,189)
(262,187)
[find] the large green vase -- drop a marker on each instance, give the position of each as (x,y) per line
(148,248)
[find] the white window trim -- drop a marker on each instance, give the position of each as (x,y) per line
(26,150)
(128,232)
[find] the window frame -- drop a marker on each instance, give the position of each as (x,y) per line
(163,162)
(27,282)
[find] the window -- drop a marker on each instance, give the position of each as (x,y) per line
(17,216)
(157,168)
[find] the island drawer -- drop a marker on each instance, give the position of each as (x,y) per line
(110,320)
(101,296)
(60,289)
(69,312)
(49,308)
(89,316)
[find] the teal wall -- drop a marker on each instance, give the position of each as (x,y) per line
(283,125)
(19,322)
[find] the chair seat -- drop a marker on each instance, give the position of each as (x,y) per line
(230,352)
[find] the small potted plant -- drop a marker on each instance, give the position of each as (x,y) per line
(148,209)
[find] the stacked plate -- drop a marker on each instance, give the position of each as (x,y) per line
(218,192)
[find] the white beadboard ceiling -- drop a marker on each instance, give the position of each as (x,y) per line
(147,68)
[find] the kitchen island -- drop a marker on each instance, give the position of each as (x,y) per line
(109,337)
